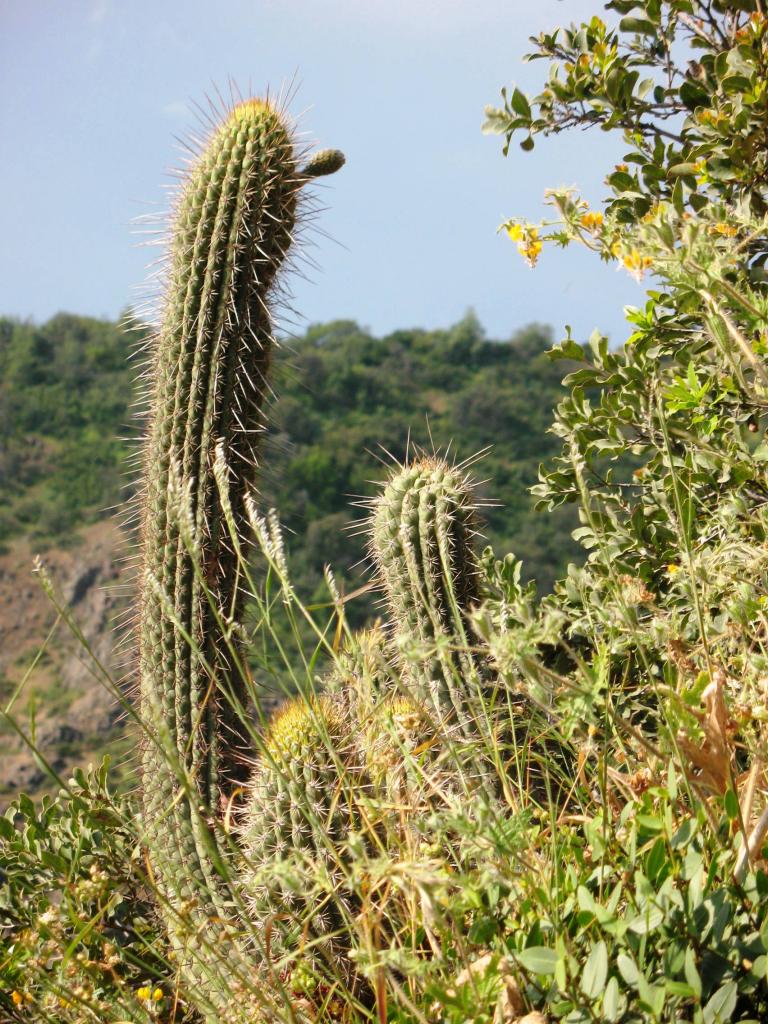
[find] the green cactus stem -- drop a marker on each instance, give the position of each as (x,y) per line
(233,227)
(317,781)
(304,800)
(421,541)
(330,772)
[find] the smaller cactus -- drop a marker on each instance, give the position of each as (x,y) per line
(422,532)
(303,803)
(331,773)
(333,767)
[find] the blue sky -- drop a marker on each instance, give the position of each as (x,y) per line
(93,92)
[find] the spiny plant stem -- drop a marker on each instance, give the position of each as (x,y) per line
(233,227)
(421,541)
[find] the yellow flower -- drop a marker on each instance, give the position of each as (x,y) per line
(527,238)
(721,228)
(700,169)
(529,247)
(651,214)
(621,167)
(157,995)
(531,252)
(672,568)
(144,992)
(713,117)
(17,998)
(636,264)
(592,221)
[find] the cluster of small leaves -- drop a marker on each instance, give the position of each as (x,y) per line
(663,440)
(644,921)
(631,915)
(79,940)
(696,126)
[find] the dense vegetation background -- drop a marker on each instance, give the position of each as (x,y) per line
(67,414)
(66,390)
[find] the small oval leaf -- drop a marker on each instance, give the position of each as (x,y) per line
(538,959)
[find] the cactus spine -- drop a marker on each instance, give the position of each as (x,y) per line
(233,227)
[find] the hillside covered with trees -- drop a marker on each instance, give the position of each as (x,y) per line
(344,400)
(345,403)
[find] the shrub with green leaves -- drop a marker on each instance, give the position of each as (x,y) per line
(663,439)
(652,654)
(79,937)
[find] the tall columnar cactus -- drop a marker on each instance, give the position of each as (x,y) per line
(233,227)
(322,764)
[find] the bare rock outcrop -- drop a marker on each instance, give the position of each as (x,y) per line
(73,684)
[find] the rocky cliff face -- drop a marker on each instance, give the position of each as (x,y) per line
(62,696)
(68,694)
